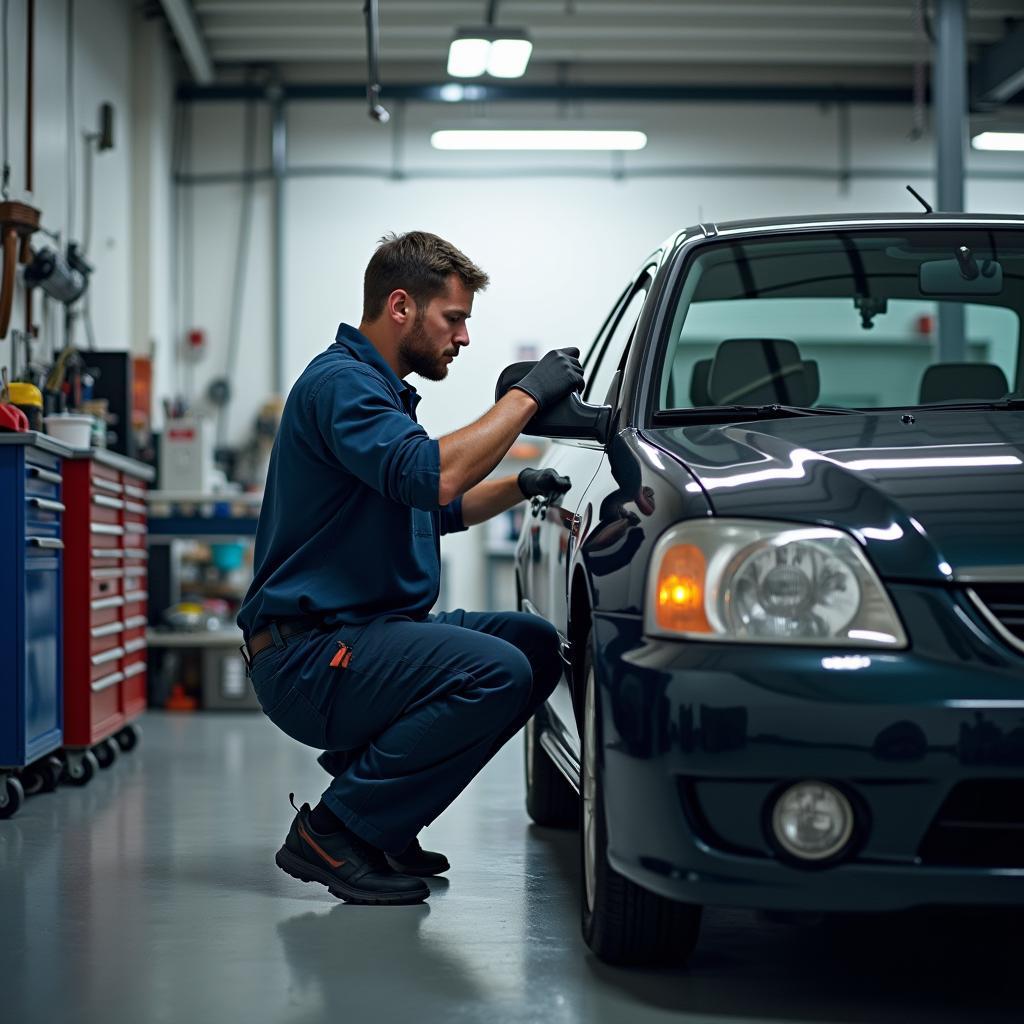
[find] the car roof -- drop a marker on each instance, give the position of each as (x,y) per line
(850,221)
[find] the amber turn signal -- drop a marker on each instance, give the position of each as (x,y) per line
(680,596)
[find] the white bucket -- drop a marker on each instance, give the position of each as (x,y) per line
(70,428)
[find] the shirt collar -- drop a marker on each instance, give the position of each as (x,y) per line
(363,349)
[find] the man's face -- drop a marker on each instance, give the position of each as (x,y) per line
(439,332)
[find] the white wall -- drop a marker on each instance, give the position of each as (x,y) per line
(104,37)
(558,233)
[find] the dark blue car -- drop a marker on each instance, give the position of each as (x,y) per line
(789,578)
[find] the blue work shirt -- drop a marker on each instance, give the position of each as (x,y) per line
(350,524)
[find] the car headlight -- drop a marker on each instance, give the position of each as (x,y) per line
(756,581)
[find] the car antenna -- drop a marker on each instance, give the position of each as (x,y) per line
(917,195)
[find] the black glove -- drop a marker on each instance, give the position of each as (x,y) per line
(558,374)
(544,483)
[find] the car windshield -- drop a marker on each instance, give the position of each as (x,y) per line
(851,319)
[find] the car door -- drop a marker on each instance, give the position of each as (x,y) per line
(551,528)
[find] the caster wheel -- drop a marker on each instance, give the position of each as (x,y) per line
(42,776)
(106,752)
(80,768)
(12,796)
(128,738)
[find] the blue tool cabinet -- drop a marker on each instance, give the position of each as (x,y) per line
(31,598)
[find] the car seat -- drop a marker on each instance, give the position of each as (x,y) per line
(761,371)
(945,381)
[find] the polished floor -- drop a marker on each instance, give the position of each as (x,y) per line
(151,895)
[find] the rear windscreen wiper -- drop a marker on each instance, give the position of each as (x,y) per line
(757,412)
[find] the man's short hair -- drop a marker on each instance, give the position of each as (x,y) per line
(418,262)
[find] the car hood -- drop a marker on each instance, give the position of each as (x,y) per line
(937,495)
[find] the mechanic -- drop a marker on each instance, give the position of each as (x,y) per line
(342,651)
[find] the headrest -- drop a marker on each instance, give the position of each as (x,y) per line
(699,383)
(760,371)
(945,381)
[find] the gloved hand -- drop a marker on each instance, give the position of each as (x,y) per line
(556,375)
(545,483)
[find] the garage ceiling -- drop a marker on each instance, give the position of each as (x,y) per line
(838,41)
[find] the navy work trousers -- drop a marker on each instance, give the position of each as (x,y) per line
(419,709)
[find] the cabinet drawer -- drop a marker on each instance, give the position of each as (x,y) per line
(46,483)
(101,646)
(133,488)
(106,610)
(103,601)
(42,543)
(106,658)
(42,511)
(136,602)
(104,509)
(105,582)
(105,478)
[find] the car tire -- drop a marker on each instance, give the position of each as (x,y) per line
(622,923)
(550,799)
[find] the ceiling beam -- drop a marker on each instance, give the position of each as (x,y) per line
(190,39)
(998,73)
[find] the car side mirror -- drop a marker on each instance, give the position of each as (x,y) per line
(571,417)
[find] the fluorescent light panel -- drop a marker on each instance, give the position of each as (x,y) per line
(1003,141)
(467,58)
(537,139)
(508,58)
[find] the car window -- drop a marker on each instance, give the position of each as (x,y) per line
(600,379)
(847,319)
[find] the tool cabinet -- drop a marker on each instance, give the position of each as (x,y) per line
(105,603)
(31,567)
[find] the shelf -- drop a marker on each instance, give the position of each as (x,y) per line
(204,638)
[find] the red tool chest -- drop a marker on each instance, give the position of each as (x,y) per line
(105,594)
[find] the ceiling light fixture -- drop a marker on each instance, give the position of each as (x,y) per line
(537,139)
(500,52)
(1002,141)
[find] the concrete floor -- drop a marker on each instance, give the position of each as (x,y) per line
(151,895)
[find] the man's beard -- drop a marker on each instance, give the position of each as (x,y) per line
(414,350)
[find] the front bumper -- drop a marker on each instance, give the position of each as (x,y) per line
(699,738)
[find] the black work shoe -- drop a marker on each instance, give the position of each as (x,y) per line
(351,868)
(414,860)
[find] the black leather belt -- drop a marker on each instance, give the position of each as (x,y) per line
(289,627)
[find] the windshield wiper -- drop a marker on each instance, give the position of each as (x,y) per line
(1014,400)
(757,412)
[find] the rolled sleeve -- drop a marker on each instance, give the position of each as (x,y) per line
(366,428)
(451,517)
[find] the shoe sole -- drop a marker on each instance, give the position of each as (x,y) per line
(301,869)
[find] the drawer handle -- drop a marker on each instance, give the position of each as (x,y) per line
(107,552)
(134,669)
(107,528)
(107,602)
(135,492)
(135,570)
(107,485)
(112,655)
(46,542)
(108,629)
(45,474)
(107,681)
(135,621)
(106,574)
(136,595)
(104,502)
(135,527)
(136,507)
(46,505)
(138,644)
(136,553)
